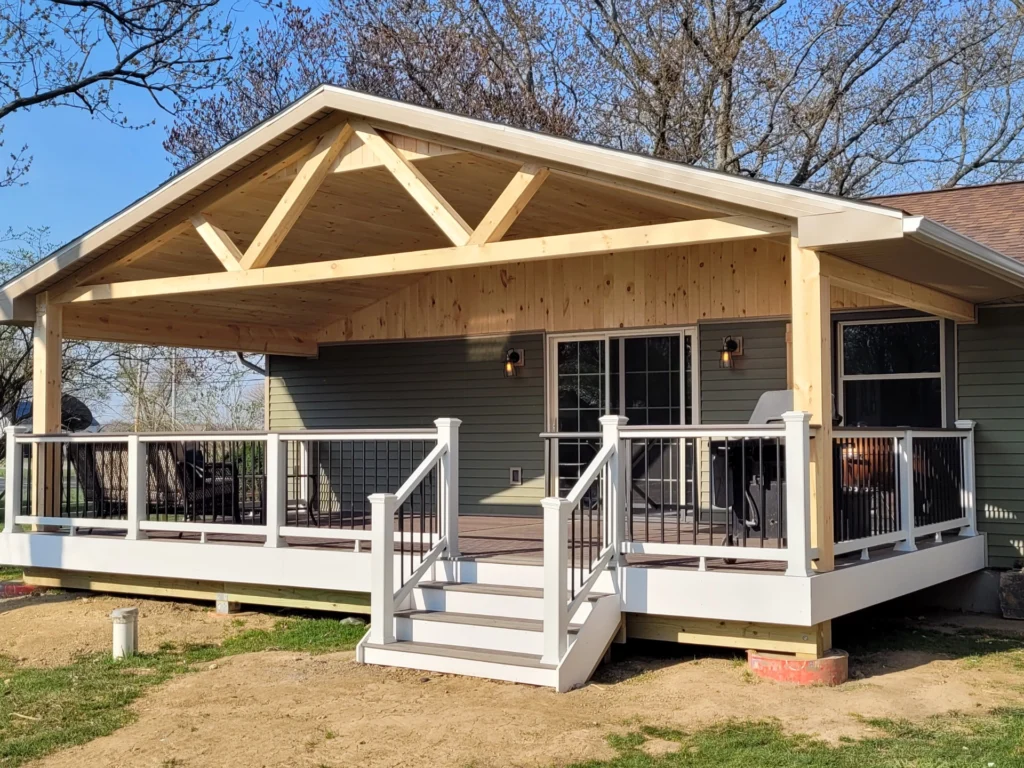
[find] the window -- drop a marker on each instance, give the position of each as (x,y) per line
(891,373)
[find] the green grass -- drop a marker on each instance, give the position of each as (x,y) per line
(43,710)
(947,742)
(10,573)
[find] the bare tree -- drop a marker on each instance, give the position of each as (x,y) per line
(844,96)
(75,53)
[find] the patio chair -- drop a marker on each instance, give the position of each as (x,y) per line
(182,481)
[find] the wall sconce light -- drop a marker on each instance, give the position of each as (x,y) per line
(731,348)
(513,361)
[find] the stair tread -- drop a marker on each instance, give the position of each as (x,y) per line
(475,619)
(494,589)
(470,654)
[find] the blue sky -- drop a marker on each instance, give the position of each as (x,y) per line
(85,170)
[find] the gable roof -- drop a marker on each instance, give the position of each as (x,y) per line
(992,214)
(666,179)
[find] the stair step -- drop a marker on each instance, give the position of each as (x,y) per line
(495,589)
(470,654)
(473,619)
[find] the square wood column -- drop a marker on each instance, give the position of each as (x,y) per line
(47,364)
(812,386)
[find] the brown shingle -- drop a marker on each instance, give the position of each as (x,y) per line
(992,214)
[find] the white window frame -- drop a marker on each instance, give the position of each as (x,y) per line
(551,368)
(842,377)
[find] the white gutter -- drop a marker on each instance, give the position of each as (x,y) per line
(964,249)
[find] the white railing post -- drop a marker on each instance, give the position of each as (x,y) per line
(617,496)
(798,492)
(556,579)
(448,432)
(277,486)
(138,475)
(906,460)
(970,492)
(382,568)
(13,483)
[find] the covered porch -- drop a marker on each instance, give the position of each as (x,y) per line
(350,225)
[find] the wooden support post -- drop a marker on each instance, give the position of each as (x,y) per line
(47,361)
(812,387)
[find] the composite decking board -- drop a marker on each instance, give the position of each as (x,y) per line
(477,620)
(459,652)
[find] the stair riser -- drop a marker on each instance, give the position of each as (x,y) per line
(481,604)
(471,636)
(452,666)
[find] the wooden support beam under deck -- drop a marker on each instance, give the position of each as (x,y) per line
(528,249)
(879,285)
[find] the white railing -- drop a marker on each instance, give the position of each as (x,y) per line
(568,583)
(895,486)
(77,476)
(442,538)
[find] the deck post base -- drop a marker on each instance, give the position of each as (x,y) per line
(831,669)
(225,605)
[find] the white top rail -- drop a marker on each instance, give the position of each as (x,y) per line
(90,437)
(228,436)
(705,430)
(590,474)
(898,432)
(410,485)
(358,435)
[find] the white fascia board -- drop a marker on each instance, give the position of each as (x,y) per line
(951,242)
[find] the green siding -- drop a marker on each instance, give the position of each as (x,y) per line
(728,396)
(409,384)
(991,392)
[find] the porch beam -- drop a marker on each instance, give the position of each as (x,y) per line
(47,366)
(812,386)
(295,199)
(222,246)
(510,203)
(416,184)
(177,222)
(649,237)
(879,285)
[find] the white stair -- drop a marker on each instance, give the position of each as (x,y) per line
(493,631)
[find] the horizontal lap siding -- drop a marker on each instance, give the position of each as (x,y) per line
(728,396)
(991,392)
(409,384)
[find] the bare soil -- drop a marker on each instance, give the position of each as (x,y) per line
(52,629)
(288,709)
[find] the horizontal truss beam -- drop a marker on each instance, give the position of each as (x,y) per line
(648,237)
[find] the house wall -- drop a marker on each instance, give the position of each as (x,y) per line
(991,392)
(728,396)
(410,385)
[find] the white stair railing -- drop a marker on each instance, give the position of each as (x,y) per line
(562,596)
(385,599)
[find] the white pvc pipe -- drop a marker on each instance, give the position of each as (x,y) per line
(126,631)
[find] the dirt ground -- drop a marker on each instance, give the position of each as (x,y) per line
(288,709)
(52,629)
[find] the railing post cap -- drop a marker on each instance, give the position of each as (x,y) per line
(798,416)
(378,498)
(551,503)
(18,429)
(610,420)
(447,422)
(965,424)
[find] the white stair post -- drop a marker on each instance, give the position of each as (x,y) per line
(277,489)
(448,432)
(798,492)
(14,480)
(138,493)
(970,492)
(382,568)
(617,499)
(906,463)
(556,579)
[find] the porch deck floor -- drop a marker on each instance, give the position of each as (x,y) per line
(519,540)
